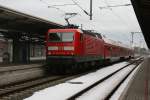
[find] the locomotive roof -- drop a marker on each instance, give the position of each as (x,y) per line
(89,32)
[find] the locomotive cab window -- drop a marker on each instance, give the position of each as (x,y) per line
(61,37)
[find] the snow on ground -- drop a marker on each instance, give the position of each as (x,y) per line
(101,91)
(121,89)
(67,89)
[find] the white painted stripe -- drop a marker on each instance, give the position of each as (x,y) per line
(53,48)
(68,48)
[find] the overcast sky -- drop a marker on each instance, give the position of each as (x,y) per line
(116,23)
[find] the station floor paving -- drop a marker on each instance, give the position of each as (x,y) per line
(139,88)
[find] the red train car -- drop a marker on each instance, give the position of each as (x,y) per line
(115,50)
(77,47)
(71,46)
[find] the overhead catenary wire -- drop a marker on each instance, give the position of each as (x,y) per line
(124,22)
(65,5)
(115,14)
(75,3)
(109,7)
(52,6)
(65,12)
(70,4)
(127,26)
(56,6)
(81,8)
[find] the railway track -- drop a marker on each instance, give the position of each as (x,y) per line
(19,67)
(24,89)
(76,88)
(107,96)
(19,81)
(13,74)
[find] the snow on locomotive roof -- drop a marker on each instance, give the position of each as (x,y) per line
(117,43)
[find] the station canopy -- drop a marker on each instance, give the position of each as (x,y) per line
(142,10)
(14,21)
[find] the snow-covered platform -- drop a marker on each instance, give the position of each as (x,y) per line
(139,88)
(135,87)
(69,88)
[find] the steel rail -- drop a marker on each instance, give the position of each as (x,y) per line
(27,88)
(100,81)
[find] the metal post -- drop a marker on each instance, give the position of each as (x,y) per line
(81,26)
(132,33)
(90,9)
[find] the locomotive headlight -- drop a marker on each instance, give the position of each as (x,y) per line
(68,48)
(53,48)
(49,53)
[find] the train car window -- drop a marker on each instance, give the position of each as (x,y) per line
(61,37)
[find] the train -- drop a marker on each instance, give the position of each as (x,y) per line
(71,49)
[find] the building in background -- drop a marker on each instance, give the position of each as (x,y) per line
(5,49)
(37,50)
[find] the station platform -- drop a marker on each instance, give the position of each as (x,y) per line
(33,60)
(139,88)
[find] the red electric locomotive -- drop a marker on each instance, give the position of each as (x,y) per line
(72,46)
(68,47)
